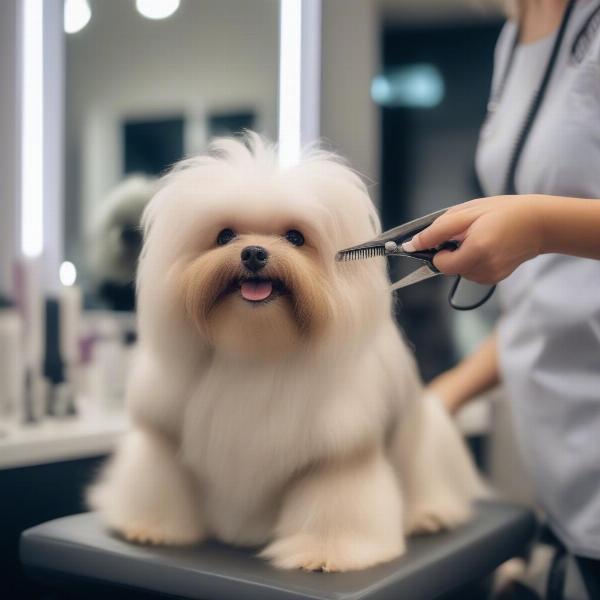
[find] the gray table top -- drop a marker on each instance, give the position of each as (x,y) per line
(79,546)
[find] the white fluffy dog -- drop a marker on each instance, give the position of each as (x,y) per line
(273,400)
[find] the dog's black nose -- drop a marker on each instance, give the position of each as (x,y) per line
(254,258)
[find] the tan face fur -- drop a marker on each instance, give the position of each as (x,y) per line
(297,309)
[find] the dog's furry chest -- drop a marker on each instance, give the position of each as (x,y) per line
(247,433)
(246,438)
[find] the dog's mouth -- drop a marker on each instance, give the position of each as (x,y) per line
(260,289)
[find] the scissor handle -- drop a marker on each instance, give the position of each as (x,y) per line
(456,306)
(427,255)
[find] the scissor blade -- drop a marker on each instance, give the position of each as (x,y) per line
(412,227)
(377,246)
(420,274)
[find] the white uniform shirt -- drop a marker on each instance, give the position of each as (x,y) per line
(549,334)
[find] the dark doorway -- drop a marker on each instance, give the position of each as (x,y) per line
(152,146)
(428,153)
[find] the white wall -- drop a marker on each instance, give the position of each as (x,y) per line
(53,175)
(349,118)
(9,119)
(211,55)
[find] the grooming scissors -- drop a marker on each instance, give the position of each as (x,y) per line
(389,243)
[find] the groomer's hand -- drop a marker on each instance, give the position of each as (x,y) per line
(496,234)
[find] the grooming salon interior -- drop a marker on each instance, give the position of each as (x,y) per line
(206,391)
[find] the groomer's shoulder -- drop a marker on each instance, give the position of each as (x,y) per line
(503,47)
(585,46)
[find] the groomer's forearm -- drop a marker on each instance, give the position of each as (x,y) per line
(476,374)
(571,226)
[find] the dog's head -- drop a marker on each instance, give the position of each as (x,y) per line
(240,252)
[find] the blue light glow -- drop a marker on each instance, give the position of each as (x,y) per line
(419,85)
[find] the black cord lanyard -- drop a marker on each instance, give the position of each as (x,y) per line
(509,186)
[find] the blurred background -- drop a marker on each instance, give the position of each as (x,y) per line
(142,93)
(99,97)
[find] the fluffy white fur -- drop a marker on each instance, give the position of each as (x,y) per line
(296,424)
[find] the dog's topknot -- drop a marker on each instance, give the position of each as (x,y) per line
(251,155)
(253,151)
(248,150)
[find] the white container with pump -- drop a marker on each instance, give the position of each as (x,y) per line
(12,369)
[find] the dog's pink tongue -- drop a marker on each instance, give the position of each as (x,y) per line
(256,290)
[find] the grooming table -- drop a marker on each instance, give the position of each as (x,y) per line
(77,553)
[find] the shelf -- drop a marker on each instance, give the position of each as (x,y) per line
(57,440)
(95,434)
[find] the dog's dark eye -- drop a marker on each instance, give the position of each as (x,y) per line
(294,237)
(225,236)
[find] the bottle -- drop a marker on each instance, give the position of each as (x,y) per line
(12,370)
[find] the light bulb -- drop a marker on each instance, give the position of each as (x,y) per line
(67,273)
(157,9)
(77,15)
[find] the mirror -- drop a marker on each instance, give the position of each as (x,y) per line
(141,93)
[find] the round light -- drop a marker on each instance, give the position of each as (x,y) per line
(67,273)
(77,15)
(157,9)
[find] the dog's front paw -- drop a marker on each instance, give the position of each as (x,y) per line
(154,533)
(341,553)
(427,519)
(166,520)
(146,495)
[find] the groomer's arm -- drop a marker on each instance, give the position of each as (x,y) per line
(474,375)
(497,234)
